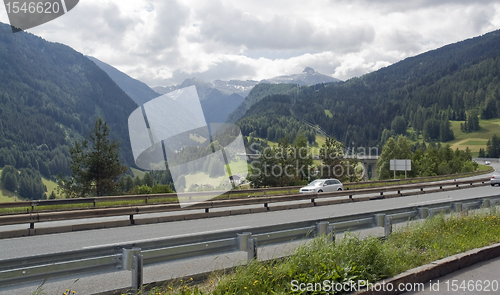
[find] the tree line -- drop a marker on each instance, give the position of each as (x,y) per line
(290,164)
(426,159)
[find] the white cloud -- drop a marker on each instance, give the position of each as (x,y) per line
(163,42)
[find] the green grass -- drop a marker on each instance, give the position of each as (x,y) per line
(138,172)
(352,258)
(485,168)
(8,196)
(51,186)
(473,140)
(240,165)
(328,113)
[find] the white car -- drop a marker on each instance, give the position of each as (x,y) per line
(487,163)
(495,178)
(322,185)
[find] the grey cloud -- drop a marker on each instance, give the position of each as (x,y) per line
(102,23)
(404,6)
(171,17)
(234,27)
(480,18)
(404,40)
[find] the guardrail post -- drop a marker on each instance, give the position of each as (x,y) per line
(423,213)
(32,229)
(252,249)
(127,255)
(458,207)
(493,206)
(132,260)
(243,240)
(331,233)
(379,219)
(248,243)
(324,228)
(137,273)
(321,228)
(387,226)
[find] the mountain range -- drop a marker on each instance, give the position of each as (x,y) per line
(417,97)
(51,95)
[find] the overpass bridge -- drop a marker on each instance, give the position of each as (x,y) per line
(369,165)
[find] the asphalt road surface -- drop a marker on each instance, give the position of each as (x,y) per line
(34,245)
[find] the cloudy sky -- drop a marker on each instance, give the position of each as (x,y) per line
(163,42)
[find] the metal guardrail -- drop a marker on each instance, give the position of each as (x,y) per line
(32,218)
(134,255)
(146,198)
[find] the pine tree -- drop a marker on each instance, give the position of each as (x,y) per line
(129,183)
(148,180)
(95,165)
(10,178)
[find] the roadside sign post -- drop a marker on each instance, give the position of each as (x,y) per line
(400,165)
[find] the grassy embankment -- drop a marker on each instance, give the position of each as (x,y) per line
(474,140)
(8,196)
(353,258)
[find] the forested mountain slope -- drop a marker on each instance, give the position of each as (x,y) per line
(137,90)
(51,95)
(423,92)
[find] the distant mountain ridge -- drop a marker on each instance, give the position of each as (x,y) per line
(307,77)
(226,100)
(216,104)
(424,92)
(137,90)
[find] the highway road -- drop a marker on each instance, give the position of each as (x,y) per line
(25,246)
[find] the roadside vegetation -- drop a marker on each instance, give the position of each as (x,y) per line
(426,159)
(165,199)
(352,258)
(473,140)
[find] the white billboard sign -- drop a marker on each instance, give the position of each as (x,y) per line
(400,165)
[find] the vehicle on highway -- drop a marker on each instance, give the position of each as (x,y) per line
(487,163)
(322,185)
(495,178)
